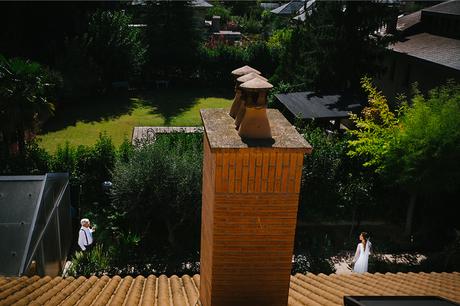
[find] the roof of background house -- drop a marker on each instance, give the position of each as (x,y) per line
(310,289)
(448,7)
(438,49)
(308,105)
(407,21)
(200,3)
(289,8)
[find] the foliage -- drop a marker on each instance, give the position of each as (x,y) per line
(415,149)
(280,87)
(419,146)
(109,51)
(116,47)
(280,38)
(157,194)
(375,129)
(34,160)
(94,262)
(26,99)
(312,255)
(88,167)
(249,24)
(217,61)
(333,185)
(424,155)
(219,10)
(173,38)
(81,72)
(335,46)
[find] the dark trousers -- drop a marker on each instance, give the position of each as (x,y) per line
(89,247)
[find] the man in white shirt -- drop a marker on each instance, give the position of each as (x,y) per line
(85,235)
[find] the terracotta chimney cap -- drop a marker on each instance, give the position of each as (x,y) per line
(244,70)
(256,84)
(250,76)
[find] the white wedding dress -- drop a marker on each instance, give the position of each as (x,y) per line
(362,257)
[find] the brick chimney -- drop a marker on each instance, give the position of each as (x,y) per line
(249,213)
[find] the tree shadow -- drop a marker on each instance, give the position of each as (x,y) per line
(168,103)
(171,102)
(94,109)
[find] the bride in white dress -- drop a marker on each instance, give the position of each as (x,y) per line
(361,258)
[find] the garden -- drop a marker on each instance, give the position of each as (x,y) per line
(70,106)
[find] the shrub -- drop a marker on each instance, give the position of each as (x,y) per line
(95,262)
(218,60)
(333,185)
(88,167)
(219,10)
(34,160)
(157,195)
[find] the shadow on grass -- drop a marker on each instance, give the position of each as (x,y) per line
(168,103)
(90,110)
(171,102)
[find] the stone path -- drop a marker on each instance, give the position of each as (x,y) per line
(147,134)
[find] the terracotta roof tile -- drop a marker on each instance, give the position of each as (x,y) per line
(310,289)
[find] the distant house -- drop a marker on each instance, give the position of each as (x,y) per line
(295,9)
(428,51)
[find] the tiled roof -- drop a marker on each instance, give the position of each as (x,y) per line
(433,48)
(310,289)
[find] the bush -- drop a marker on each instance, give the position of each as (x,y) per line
(88,167)
(312,254)
(157,196)
(219,10)
(333,185)
(218,60)
(34,160)
(95,262)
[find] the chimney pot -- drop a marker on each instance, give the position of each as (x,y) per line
(237,101)
(244,70)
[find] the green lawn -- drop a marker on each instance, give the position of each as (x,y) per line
(81,123)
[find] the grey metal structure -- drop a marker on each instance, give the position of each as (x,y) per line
(35,224)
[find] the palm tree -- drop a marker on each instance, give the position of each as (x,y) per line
(25,90)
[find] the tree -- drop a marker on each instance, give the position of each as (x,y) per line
(417,147)
(173,36)
(116,47)
(26,99)
(335,46)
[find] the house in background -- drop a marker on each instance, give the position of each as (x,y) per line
(295,9)
(428,51)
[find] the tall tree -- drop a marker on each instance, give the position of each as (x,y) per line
(418,147)
(173,35)
(336,45)
(115,46)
